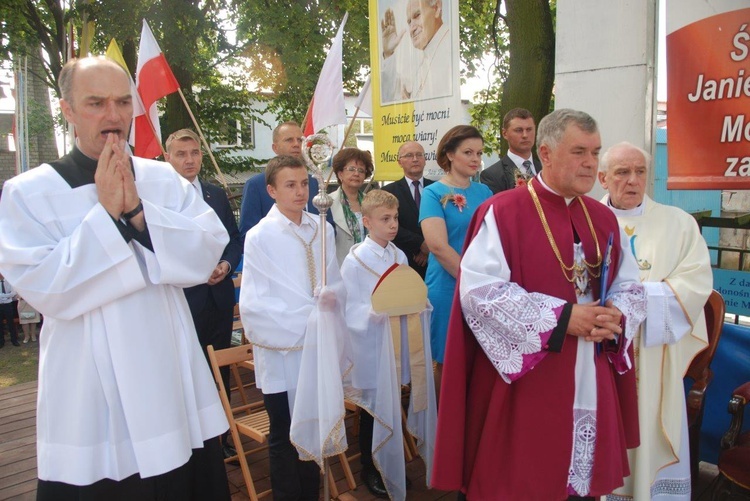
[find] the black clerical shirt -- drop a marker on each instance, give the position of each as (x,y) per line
(78,170)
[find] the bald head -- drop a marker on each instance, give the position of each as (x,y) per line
(67,75)
(96,99)
(411,159)
(623,172)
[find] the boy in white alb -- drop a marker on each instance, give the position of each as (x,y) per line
(378,390)
(280,282)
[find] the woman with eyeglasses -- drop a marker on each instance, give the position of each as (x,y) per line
(351,166)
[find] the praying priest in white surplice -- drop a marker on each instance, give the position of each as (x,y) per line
(675,268)
(388,351)
(102,244)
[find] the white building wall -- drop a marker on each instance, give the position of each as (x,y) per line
(605,65)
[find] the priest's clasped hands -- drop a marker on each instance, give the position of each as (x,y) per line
(594,322)
(115,183)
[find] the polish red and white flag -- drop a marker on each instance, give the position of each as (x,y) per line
(327,107)
(154,80)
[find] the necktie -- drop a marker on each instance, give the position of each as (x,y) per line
(2,282)
(417,195)
(527,166)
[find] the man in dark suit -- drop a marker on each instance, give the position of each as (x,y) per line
(408,190)
(256,202)
(519,164)
(211,304)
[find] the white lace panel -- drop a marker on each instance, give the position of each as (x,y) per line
(506,321)
(584,440)
(671,487)
(631,300)
(669,336)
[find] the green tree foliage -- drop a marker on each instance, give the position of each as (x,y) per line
(524,69)
(28,25)
(278,49)
(286,45)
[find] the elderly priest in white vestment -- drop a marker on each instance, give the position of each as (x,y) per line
(102,244)
(675,269)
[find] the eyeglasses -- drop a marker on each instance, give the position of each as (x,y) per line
(409,156)
(352,168)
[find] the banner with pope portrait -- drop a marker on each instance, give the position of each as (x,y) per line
(414,53)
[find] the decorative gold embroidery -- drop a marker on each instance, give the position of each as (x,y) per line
(643,264)
(362,263)
(310,258)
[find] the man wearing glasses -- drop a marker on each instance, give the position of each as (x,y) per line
(409,190)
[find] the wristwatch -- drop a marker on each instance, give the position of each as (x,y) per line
(127,216)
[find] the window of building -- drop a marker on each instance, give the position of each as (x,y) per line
(237,134)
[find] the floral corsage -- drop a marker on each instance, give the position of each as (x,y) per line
(521,178)
(458,200)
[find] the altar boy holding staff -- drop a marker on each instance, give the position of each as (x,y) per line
(280,289)
(377,362)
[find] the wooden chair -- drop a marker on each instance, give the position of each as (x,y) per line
(247,419)
(254,423)
(700,372)
(733,481)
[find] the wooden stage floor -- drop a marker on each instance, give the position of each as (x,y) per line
(18,459)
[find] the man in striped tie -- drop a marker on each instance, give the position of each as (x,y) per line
(518,164)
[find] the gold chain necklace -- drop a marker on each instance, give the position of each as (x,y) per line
(310,257)
(575,273)
(362,263)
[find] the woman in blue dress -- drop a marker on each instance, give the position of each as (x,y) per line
(444,215)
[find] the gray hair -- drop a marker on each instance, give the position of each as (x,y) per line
(552,127)
(65,80)
(605,159)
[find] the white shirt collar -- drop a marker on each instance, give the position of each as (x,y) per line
(519,160)
(544,185)
(307,219)
(410,181)
(196,182)
(635,211)
(375,248)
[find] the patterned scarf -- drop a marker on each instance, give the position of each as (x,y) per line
(351,220)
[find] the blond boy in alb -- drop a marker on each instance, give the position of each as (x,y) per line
(375,375)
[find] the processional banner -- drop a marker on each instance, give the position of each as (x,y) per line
(708,86)
(414,54)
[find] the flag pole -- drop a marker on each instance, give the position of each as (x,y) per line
(222,179)
(307,114)
(351,126)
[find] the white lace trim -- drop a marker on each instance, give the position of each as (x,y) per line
(506,321)
(669,335)
(671,487)
(631,301)
(582,460)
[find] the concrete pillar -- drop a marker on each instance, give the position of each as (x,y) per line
(605,65)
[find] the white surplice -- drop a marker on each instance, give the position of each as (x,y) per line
(675,268)
(375,381)
(123,385)
(276,296)
(300,345)
(483,265)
